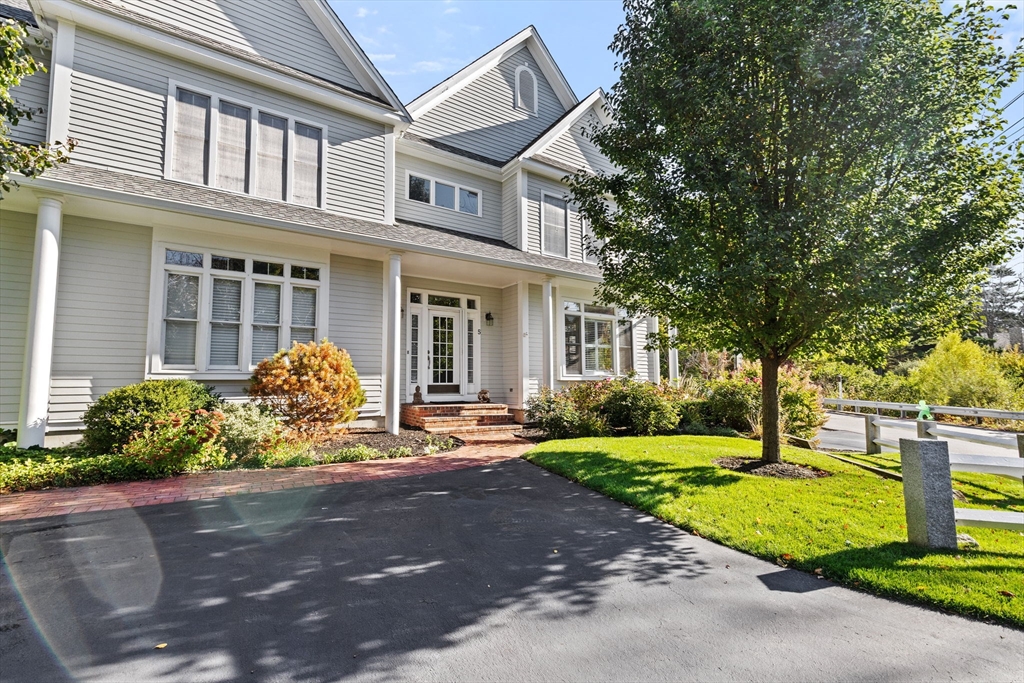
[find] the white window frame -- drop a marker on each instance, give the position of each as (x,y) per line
(518,102)
(615,319)
(254,114)
(568,224)
(202,368)
(433,193)
(468,315)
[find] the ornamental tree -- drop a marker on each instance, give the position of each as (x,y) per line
(17,63)
(804,175)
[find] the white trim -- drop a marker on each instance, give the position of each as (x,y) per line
(523,210)
(170,238)
(518,103)
(568,221)
(62,62)
(523,292)
(216,60)
(453,84)
(433,193)
(615,319)
(390,164)
(581,109)
(464,315)
(419,150)
(392,370)
(254,113)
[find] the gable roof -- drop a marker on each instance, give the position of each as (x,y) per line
(564,123)
(453,84)
(372,85)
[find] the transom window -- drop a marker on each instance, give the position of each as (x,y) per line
(555,226)
(596,341)
(444,194)
(227,312)
(243,148)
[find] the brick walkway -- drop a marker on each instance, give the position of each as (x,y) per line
(53,502)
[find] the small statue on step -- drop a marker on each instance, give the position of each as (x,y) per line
(417,397)
(483,396)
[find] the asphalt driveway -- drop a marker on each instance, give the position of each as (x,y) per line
(504,572)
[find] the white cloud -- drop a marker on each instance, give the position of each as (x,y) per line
(366,40)
(452,10)
(381,58)
(363,12)
(428,66)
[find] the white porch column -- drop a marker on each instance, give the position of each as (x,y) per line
(673,361)
(394,358)
(653,356)
(42,307)
(549,334)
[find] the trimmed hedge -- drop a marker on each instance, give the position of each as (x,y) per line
(31,473)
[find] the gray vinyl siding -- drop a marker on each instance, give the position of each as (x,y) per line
(482,118)
(575,149)
(510,345)
(510,211)
(490,360)
(17,236)
(102,311)
(32,93)
(357,321)
(118,103)
(487,225)
(256,27)
(536,340)
(536,186)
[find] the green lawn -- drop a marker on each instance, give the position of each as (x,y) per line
(850,525)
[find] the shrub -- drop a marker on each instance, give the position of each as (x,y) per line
(32,473)
(961,373)
(111,421)
(355,453)
(278,451)
(800,404)
(313,387)
(437,444)
(735,402)
(557,414)
(639,408)
(732,400)
(247,429)
(179,444)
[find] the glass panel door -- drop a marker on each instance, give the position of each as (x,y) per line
(442,354)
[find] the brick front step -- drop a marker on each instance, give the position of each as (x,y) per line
(466,420)
(445,418)
(475,430)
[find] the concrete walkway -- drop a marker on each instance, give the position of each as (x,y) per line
(501,572)
(48,503)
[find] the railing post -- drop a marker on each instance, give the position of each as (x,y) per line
(922,429)
(871,432)
(928,493)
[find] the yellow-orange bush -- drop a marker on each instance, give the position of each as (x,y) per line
(312,387)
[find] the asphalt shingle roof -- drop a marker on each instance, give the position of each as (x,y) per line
(404,235)
(17,9)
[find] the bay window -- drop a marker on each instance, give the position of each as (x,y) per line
(227,312)
(243,148)
(596,341)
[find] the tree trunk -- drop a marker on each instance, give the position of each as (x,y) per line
(770,451)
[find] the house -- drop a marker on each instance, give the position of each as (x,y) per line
(244,177)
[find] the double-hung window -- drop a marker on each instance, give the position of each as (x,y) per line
(243,148)
(555,226)
(227,312)
(444,194)
(597,341)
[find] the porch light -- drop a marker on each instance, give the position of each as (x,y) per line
(489,319)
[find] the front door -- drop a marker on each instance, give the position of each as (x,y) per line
(443,356)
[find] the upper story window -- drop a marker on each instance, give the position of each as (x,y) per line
(591,245)
(444,194)
(242,148)
(226,312)
(526,90)
(555,226)
(596,341)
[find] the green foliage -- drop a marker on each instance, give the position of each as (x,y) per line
(361,452)
(734,401)
(640,408)
(43,470)
(17,63)
(851,525)
(111,421)
(438,444)
(179,444)
(247,429)
(563,418)
(782,189)
(1011,363)
(961,373)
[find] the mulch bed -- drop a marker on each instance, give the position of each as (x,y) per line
(416,439)
(779,470)
(533,434)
